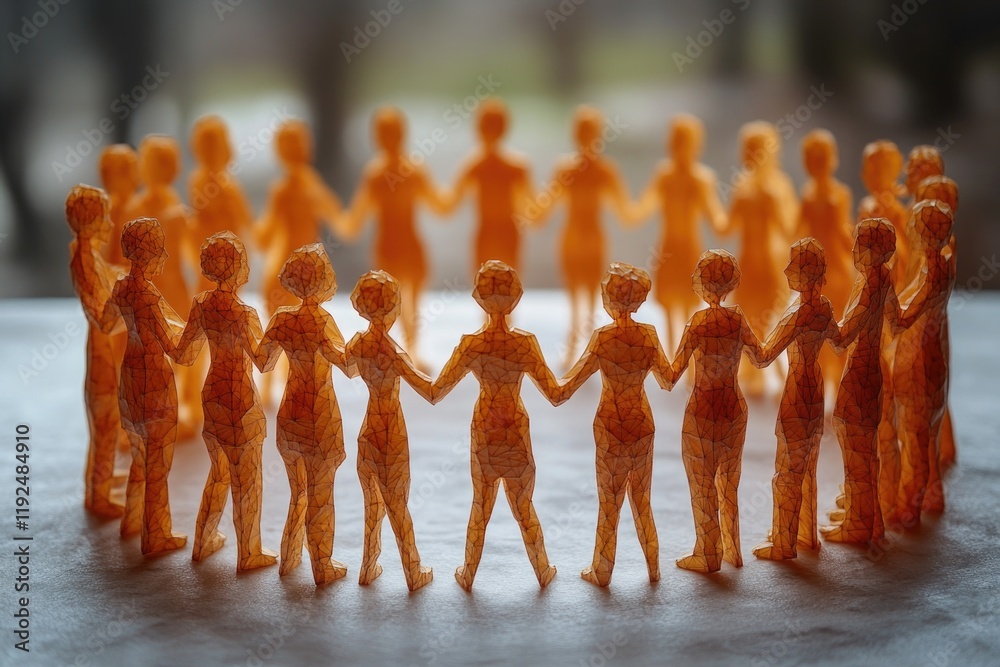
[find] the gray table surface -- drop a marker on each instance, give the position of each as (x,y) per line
(930,599)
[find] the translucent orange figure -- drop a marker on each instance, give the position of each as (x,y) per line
(234,420)
(585,180)
(119,167)
(685,191)
(310,434)
(715,421)
(763,210)
(500,357)
(383,449)
(625,352)
(501,183)
(858,410)
(217,201)
(805,326)
(881,163)
(825,215)
(296,206)
(87,215)
(921,365)
(390,189)
(147,396)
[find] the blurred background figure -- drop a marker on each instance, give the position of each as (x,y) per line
(87,75)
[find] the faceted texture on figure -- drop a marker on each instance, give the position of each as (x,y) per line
(310,434)
(625,352)
(87,214)
(921,364)
(587,180)
(383,448)
(234,420)
(685,191)
(147,396)
(802,330)
(500,357)
(715,420)
(390,190)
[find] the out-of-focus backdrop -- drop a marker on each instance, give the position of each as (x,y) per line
(76,75)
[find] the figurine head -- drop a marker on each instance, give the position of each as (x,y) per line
(143,246)
(119,167)
(881,163)
(498,288)
(493,119)
(293,143)
(308,274)
(761,148)
(210,143)
(390,127)
(922,162)
(819,153)
(716,275)
(874,243)
(87,213)
(376,298)
(806,268)
(588,122)
(932,220)
(224,260)
(624,289)
(159,160)
(938,187)
(687,134)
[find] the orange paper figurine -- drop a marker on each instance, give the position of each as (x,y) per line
(119,167)
(390,189)
(920,371)
(858,410)
(501,184)
(881,163)
(310,432)
(685,191)
(586,180)
(500,357)
(297,204)
(87,214)
(826,215)
(715,420)
(383,449)
(625,352)
(763,210)
(147,395)
(234,420)
(805,326)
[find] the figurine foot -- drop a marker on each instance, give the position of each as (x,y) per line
(130,527)
(206,548)
(812,545)
(842,533)
(588,574)
(330,571)
(164,544)
(289,564)
(546,575)
(252,562)
(107,509)
(463,578)
(933,502)
(423,577)
(369,574)
(734,559)
(769,551)
(836,515)
(697,563)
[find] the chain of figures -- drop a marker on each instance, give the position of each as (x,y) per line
(148,385)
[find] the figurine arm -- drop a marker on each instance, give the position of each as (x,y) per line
(735,221)
(192,338)
(646,205)
(780,337)
(898,318)
(618,192)
(333,347)
(545,205)
(850,326)
(111,318)
(328,205)
(684,351)
(419,381)
(542,375)
(453,371)
(362,206)
(661,369)
(268,351)
(437,198)
(751,344)
(714,210)
(584,367)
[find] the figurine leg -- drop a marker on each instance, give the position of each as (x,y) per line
(519,491)
(888,450)
(484,497)
(639,482)
(859,446)
(246,481)
(101,394)
(207,538)
(374,512)
(320,520)
(948,452)
(294,534)
(612,483)
(409,296)
(135,488)
(934,497)
(916,437)
(727,481)
(808,535)
(699,466)
(416,574)
(157,533)
(784,489)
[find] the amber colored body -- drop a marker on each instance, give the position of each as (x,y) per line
(500,357)
(625,352)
